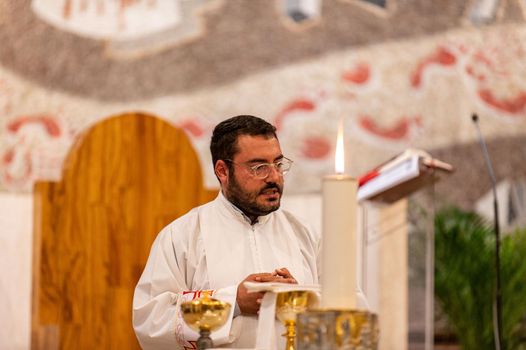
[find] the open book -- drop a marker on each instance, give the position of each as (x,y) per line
(400,176)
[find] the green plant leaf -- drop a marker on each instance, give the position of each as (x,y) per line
(465,279)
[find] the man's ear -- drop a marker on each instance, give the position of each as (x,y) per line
(221,171)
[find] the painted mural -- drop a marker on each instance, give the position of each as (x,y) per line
(129,28)
(413,93)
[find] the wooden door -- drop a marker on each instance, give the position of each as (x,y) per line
(126,178)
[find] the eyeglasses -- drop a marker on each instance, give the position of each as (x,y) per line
(262,171)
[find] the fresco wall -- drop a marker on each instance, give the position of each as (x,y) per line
(411,93)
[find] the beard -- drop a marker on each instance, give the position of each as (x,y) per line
(248,203)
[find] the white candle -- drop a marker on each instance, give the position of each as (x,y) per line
(338,280)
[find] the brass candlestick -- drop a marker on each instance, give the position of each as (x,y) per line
(205,315)
(288,306)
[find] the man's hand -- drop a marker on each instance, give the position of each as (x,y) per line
(249,303)
(285,275)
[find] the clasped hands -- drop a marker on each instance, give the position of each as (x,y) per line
(249,303)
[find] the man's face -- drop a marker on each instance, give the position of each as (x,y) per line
(255,197)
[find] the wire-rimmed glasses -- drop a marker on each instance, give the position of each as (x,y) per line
(262,170)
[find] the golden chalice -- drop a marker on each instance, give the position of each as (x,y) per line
(205,315)
(288,306)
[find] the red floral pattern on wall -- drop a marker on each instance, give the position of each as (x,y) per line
(36,145)
(404,128)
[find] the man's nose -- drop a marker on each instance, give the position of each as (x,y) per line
(274,175)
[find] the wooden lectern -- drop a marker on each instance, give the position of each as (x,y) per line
(385,229)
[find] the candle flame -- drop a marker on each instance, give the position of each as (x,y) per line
(339,162)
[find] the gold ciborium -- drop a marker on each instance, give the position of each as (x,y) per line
(205,315)
(288,306)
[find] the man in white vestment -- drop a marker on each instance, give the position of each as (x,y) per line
(240,236)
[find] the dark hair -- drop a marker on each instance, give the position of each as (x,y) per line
(224,138)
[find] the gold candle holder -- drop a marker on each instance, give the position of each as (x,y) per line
(205,315)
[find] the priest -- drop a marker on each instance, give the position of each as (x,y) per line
(242,235)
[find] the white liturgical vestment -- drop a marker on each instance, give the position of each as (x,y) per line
(213,248)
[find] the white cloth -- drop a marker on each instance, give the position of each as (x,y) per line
(214,247)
